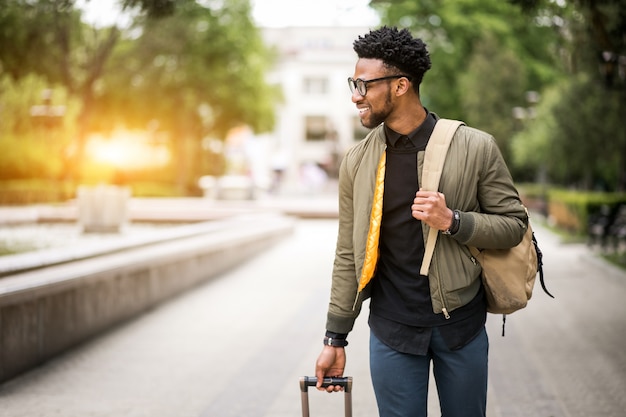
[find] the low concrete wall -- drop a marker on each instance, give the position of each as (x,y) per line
(46,311)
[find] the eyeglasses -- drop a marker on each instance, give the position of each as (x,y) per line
(361,85)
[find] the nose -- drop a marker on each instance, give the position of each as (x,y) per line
(356,96)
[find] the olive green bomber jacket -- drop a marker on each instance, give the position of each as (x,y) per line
(475,181)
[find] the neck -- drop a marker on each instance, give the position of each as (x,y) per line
(409,120)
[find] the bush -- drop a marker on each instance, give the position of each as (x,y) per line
(570,210)
(30,191)
(154,189)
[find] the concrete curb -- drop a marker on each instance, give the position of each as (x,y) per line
(48,310)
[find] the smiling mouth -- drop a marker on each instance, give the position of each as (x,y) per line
(363,110)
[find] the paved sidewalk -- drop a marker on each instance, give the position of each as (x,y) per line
(234,347)
(564,357)
(237,345)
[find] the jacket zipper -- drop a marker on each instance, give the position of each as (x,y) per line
(356,299)
(444,309)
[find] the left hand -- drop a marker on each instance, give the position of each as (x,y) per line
(430,207)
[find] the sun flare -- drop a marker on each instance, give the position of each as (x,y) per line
(127,149)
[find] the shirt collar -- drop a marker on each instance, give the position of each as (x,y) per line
(418,137)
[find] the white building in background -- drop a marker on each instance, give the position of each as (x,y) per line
(317,120)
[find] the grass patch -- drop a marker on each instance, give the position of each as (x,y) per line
(618,259)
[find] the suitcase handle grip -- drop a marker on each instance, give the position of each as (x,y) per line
(311,381)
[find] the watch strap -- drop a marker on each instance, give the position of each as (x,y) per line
(334,342)
(454,227)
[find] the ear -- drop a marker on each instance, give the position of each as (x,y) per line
(403,85)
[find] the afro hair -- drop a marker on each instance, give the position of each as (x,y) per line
(395,48)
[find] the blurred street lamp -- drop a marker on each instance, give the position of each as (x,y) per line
(47,117)
(612,65)
(528,113)
(46,114)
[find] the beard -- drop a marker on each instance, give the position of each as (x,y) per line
(377,117)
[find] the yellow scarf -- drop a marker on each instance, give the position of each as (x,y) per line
(372,250)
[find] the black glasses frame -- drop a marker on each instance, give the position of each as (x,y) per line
(360,85)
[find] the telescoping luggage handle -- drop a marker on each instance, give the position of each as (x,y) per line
(311,381)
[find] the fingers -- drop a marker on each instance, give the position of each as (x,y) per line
(334,388)
(427,204)
(430,207)
(323,366)
(320,379)
(331,362)
(319,374)
(429,197)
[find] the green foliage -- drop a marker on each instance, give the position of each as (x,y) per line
(578,135)
(195,76)
(531,147)
(587,140)
(585,198)
(33,37)
(153,8)
(488,54)
(489,95)
(33,191)
(453,29)
(485,57)
(178,57)
(155,189)
(198,57)
(33,146)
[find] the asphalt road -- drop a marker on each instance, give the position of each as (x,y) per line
(237,345)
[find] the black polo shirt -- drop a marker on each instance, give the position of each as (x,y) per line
(401,314)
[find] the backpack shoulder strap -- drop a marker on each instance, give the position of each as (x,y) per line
(434,158)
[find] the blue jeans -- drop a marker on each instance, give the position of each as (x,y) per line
(401,380)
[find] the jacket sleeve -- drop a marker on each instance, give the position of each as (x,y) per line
(342,310)
(500,220)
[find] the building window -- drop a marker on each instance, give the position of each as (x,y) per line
(315,85)
(359,131)
(316,128)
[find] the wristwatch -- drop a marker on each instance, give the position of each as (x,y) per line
(329,341)
(454,227)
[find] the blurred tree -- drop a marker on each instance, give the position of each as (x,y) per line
(152,8)
(580,138)
(34,129)
(594,33)
(464,38)
(574,50)
(489,95)
(177,56)
(194,75)
(47,37)
(584,126)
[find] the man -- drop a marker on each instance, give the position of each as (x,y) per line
(384,218)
